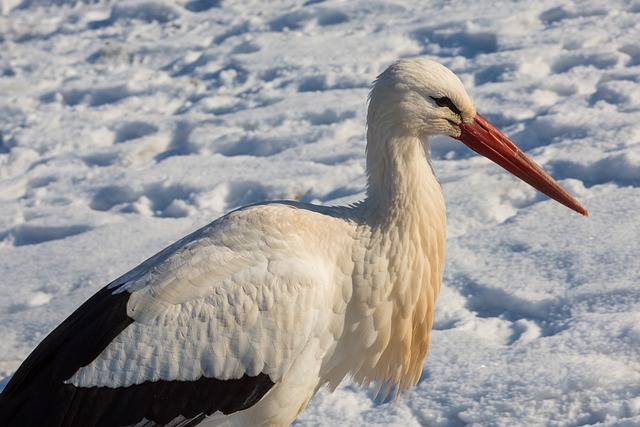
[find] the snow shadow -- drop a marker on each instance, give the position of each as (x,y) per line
(27,234)
(453,40)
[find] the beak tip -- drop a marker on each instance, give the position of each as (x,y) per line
(576,206)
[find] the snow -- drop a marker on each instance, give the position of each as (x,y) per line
(125,125)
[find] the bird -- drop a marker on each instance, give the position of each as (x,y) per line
(243,321)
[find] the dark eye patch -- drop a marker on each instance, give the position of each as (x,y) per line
(446,102)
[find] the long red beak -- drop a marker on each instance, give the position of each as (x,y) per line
(482,137)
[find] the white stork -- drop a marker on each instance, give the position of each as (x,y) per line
(243,321)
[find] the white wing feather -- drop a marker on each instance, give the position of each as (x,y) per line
(230,299)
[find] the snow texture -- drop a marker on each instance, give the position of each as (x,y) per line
(125,125)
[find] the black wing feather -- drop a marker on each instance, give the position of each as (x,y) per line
(60,360)
(38,396)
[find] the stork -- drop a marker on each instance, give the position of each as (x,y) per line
(241,322)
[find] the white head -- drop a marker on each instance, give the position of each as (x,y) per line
(421,98)
(417,98)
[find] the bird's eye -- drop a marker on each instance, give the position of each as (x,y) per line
(446,102)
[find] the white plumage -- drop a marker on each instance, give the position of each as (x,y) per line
(283,297)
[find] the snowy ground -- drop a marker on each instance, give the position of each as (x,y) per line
(124,125)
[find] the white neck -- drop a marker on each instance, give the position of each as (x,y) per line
(397,283)
(401,182)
